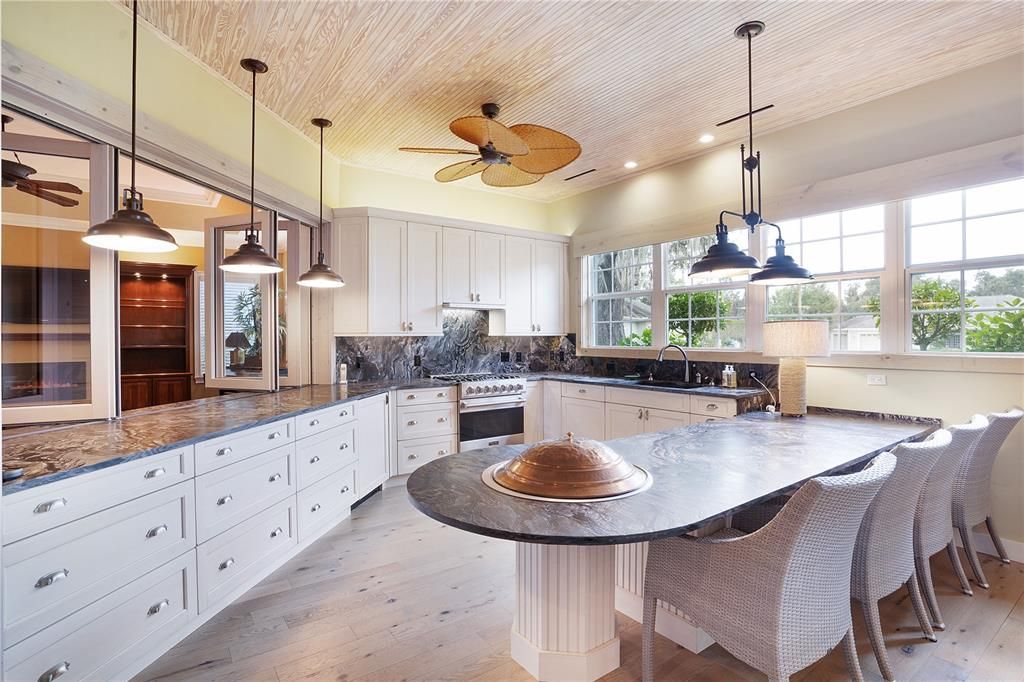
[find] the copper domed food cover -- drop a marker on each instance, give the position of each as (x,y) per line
(570,468)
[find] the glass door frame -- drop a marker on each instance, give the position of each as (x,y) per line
(103,271)
(215,314)
(297,301)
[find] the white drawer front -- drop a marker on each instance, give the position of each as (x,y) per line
(584,391)
(312,423)
(419,396)
(228,496)
(324,454)
(230,561)
(219,452)
(698,418)
(657,400)
(413,453)
(327,502)
(430,420)
(713,407)
(50,575)
(48,506)
(99,641)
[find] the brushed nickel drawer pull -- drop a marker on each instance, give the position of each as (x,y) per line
(414,456)
(583,390)
(442,453)
(711,406)
(411,396)
(412,423)
(224,451)
(277,531)
(343,413)
(55,672)
(224,500)
(275,477)
(315,422)
(343,446)
(442,420)
(226,564)
(153,473)
(52,578)
(315,459)
(442,394)
(49,506)
(315,507)
(345,490)
(274,436)
(157,608)
(159,530)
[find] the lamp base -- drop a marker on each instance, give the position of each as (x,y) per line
(793,387)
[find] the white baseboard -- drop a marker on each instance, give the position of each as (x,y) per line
(667,624)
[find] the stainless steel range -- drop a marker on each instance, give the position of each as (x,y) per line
(491,408)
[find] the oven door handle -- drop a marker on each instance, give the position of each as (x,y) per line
(500,403)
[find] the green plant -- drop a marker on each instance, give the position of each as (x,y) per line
(702,305)
(248,315)
(999,332)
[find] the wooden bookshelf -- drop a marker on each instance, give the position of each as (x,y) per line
(156,334)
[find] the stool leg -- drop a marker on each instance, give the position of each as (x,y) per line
(924,577)
(972,556)
(996,540)
(923,617)
(954,558)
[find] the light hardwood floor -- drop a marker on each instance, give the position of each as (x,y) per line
(393,595)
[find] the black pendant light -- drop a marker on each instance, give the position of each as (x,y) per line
(251,257)
(320,275)
(724,257)
(131,228)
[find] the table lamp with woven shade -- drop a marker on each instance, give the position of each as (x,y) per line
(793,341)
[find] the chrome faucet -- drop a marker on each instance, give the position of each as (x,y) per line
(686,360)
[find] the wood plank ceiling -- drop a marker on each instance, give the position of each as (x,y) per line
(630,80)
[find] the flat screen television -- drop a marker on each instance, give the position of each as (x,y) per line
(40,295)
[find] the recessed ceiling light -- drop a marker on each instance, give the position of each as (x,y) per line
(706,137)
(630,165)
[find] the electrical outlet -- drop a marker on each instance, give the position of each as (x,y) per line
(876,380)
(519,356)
(505,356)
(417,361)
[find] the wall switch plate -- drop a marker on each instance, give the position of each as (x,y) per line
(876,380)
(519,356)
(417,361)
(505,356)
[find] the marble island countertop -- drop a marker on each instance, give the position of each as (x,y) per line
(713,391)
(700,473)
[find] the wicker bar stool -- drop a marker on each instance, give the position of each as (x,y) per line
(972,488)
(779,598)
(933,525)
(883,558)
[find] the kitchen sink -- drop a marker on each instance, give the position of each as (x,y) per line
(667,384)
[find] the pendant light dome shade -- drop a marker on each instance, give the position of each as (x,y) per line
(251,258)
(724,258)
(781,269)
(320,275)
(131,228)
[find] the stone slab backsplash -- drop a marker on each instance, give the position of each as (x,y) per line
(464,346)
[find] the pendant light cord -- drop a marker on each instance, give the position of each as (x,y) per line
(252,166)
(135,79)
(320,220)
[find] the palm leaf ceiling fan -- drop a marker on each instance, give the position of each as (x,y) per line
(16,174)
(507,157)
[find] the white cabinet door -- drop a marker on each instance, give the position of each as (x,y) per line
(422,258)
(552,409)
(548,288)
(663,420)
(533,414)
(458,265)
(623,420)
(489,268)
(519,286)
(385,276)
(584,418)
(372,444)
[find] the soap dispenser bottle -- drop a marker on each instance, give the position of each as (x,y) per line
(729,377)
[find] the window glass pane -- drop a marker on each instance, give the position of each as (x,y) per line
(241,301)
(1002,196)
(602,281)
(821,226)
(790,231)
(936,208)
(994,287)
(732,303)
(938,332)
(821,257)
(733,334)
(864,252)
(935,291)
(602,261)
(998,235)
(680,256)
(997,331)
(783,301)
(936,243)
(46,312)
(867,219)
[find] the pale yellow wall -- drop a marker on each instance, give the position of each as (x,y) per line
(951,396)
(44,248)
(971,108)
(91,40)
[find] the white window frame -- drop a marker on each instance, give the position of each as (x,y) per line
(591,298)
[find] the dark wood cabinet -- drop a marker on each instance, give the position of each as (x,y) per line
(156,334)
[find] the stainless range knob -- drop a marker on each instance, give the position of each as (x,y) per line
(470,390)
(519,387)
(487,389)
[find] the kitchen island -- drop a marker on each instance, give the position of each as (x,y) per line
(579,562)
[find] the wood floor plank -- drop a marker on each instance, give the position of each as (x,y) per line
(392,595)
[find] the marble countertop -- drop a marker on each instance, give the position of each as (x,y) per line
(714,391)
(55,453)
(701,473)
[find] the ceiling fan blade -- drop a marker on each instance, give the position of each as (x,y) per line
(46,196)
(549,149)
(480,130)
(502,175)
(462,169)
(56,186)
(439,150)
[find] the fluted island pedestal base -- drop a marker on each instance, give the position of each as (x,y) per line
(564,626)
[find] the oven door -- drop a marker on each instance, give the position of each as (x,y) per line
(485,424)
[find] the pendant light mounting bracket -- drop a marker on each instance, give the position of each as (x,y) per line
(254,65)
(749,29)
